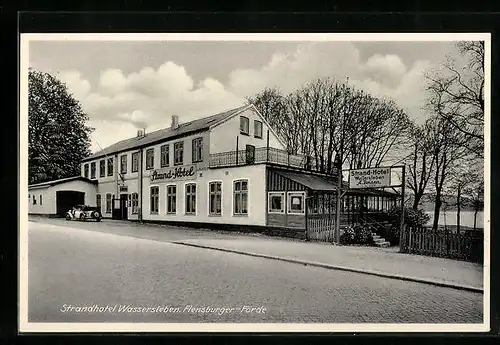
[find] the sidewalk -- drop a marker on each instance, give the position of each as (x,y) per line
(385,262)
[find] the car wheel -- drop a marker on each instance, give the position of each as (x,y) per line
(68,217)
(82,216)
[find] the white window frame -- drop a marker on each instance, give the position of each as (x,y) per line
(157,201)
(136,156)
(164,162)
(123,167)
(86,170)
(111,159)
(179,146)
(110,203)
(209,193)
(102,172)
(152,165)
(197,156)
(255,122)
(290,195)
(167,203)
(234,197)
(283,203)
(195,199)
(242,120)
(93,174)
(134,203)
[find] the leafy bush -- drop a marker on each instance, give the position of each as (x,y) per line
(348,236)
(391,234)
(412,217)
(363,234)
(358,234)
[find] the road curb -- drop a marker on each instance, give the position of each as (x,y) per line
(342,268)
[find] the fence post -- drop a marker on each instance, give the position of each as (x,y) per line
(409,239)
(402,219)
(447,243)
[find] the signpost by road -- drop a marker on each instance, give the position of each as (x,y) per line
(380,177)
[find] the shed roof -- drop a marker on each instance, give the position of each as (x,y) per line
(184,129)
(321,183)
(63,180)
(313,182)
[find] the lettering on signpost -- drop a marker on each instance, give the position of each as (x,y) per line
(174,174)
(370,178)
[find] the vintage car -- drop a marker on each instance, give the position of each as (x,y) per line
(83,212)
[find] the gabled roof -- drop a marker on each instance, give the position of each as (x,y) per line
(63,180)
(184,129)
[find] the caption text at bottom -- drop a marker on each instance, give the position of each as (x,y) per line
(165,309)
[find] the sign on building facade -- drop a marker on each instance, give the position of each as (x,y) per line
(370,178)
(187,172)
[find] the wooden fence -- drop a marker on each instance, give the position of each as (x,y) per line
(321,227)
(463,245)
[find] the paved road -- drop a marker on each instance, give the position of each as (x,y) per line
(72,267)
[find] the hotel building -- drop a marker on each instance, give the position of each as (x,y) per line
(229,170)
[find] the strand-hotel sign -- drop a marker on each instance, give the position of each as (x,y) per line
(180,173)
(370,178)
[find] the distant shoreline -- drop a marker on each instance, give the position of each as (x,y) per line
(466,219)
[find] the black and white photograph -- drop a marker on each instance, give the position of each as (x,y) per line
(254,182)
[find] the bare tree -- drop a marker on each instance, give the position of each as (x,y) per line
(421,161)
(475,191)
(457,94)
(325,118)
(448,149)
(464,179)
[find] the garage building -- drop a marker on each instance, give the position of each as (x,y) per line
(54,198)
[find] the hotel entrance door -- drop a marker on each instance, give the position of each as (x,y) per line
(124,206)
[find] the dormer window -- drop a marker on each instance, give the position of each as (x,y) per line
(244,125)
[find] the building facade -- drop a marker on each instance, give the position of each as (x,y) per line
(227,170)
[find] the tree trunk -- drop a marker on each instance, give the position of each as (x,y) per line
(476,210)
(437,208)
(416,200)
(458,208)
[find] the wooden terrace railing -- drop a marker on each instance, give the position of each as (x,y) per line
(265,155)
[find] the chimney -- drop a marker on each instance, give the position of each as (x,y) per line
(141,132)
(175,122)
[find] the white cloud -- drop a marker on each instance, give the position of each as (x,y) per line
(119,102)
(386,65)
(109,132)
(75,83)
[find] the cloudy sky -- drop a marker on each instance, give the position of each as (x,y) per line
(126,85)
